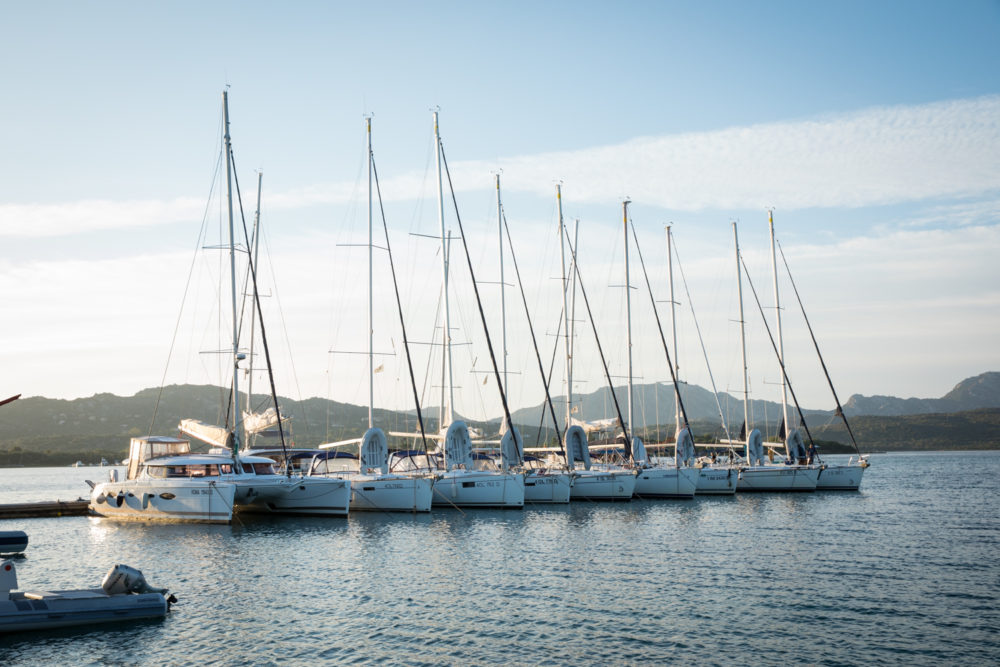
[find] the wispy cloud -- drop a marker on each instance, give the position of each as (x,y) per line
(872,157)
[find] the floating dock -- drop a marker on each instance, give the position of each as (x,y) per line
(45,509)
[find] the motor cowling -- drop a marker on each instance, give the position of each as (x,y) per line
(122,579)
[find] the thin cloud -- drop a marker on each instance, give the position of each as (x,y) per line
(872,157)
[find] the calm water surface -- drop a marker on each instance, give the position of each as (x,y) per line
(906,571)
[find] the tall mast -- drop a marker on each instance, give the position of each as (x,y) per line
(566,314)
(253,302)
(673,327)
(777,316)
(371,354)
(628,314)
(446,336)
(503,304)
(237,415)
(572,309)
(743,344)
(781,351)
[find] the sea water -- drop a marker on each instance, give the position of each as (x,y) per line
(905,571)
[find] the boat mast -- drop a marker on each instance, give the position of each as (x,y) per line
(673,328)
(446,334)
(253,302)
(371,355)
(566,314)
(743,345)
(628,314)
(781,351)
(235,432)
(503,304)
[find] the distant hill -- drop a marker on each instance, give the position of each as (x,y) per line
(45,431)
(981,391)
(654,404)
(973,429)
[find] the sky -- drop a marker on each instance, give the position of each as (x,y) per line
(871,130)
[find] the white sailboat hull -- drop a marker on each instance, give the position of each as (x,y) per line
(778,478)
(186,499)
(391,493)
(664,482)
(308,496)
(472,488)
(840,478)
(717,481)
(602,485)
(547,487)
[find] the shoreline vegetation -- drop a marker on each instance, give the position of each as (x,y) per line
(969,430)
(38,431)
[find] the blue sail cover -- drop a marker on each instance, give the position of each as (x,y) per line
(374,451)
(576,447)
(457,447)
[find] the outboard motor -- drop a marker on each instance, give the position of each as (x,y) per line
(122,579)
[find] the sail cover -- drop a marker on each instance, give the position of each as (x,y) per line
(595,425)
(755,448)
(511,448)
(796,447)
(207,433)
(639,451)
(457,447)
(685,446)
(255,422)
(576,447)
(374,451)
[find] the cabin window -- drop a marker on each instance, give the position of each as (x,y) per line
(248,468)
(263,468)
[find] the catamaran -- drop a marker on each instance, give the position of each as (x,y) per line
(166,481)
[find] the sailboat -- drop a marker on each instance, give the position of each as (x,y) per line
(714,477)
(833,476)
(457,482)
(758,474)
(373,487)
(655,480)
(166,481)
(543,483)
(591,481)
